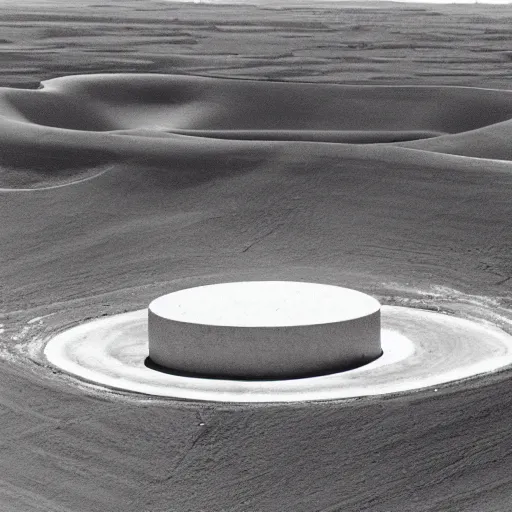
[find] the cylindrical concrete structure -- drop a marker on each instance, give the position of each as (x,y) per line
(263,330)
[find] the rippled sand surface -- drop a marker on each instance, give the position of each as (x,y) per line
(382,164)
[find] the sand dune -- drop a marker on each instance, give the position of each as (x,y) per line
(109,102)
(135,101)
(160,115)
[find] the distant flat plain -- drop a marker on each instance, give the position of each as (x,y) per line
(440,224)
(396,44)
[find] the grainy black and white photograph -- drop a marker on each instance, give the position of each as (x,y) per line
(256,256)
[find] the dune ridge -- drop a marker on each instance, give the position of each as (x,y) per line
(341,136)
(72,125)
(157,115)
(121,101)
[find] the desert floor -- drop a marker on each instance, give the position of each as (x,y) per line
(423,223)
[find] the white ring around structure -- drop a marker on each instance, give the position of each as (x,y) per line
(421,349)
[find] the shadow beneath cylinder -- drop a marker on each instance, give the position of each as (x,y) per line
(327,370)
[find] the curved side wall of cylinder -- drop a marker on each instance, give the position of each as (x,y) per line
(263,352)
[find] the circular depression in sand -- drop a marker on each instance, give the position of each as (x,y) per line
(420,349)
(263,330)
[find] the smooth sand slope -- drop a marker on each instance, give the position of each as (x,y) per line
(173,190)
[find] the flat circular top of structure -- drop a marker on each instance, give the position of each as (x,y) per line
(264,304)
